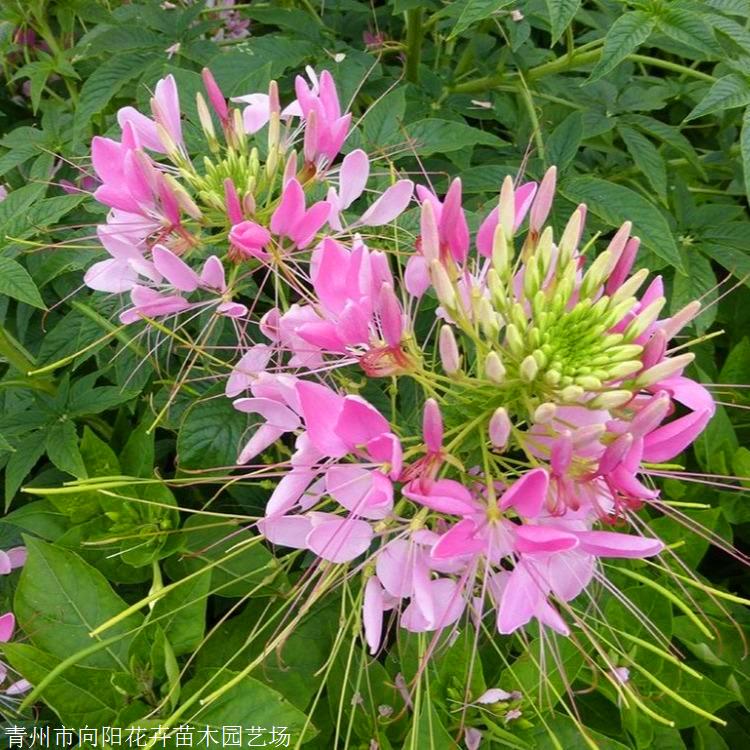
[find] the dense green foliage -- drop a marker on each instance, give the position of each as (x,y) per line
(644,106)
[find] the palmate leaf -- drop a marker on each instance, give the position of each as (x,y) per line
(627,33)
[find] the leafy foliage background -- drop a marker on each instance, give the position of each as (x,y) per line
(645,109)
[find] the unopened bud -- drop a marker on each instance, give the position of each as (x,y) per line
(494,368)
(623,369)
(207,124)
(589,382)
(501,255)
(499,428)
(569,239)
(215,95)
(290,168)
(545,413)
(543,201)
(544,251)
(571,394)
(610,400)
(497,289)
(615,453)
(680,319)
(664,369)
(442,284)
(528,369)
(514,340)
(619,241)
(429,232)
(629,288)
(448,348)
(596,274)
(184,201)
(507,212)
(651,415)
(644,319)
(487,318)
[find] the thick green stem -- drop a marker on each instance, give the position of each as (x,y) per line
(414,34)
(571,62)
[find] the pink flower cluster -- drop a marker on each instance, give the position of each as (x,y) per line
(546,386)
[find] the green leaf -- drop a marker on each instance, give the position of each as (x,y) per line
(60,599)
(565,141)
(731,91)
(627,33)
(182,613)
(561,13)
(62,449)
(615,204)
(210,434)
(647,159)
(16,282)
(80,696)
(71,334)
(137,457)
(441,136)
(687,27)
(745,150)
(27,452)
(250,700)
(104,83)
(474,11)
(428,731)
(700,283)
(383,121)
(239,570)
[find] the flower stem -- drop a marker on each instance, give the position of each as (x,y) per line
(414,35)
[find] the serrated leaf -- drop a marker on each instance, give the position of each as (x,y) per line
(627,33)
(210,434)
(731,91)
(561,13)
(700,284)
(687,27)
(616,204)
(382,124)
(727,26)
(104,83)
(16,282)
(474,11)
(647,159)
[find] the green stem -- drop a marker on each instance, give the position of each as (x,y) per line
(414,34)
(15,353)
(570,62)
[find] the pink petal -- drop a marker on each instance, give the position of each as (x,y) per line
(689,393)
(531,539)
(143,127)
(168,101)
(416,276)
(290,210)
(111,275)
(359,422)
(391,316)
(372,613)
(288,491)
(7,626)
(286,531)
(527,494)
(355,169)
(251,363)
(666,442)
(264,436)
(175,270)
(453,225)
(330,275)
(432,425)
(340,539)
(275,414)
(360,491)
(394,568)
(321,408)
(613,544)
(443,495)
(459,540)
(448,604)
(212,274)
(520,599)
(17,556)
(390,204)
